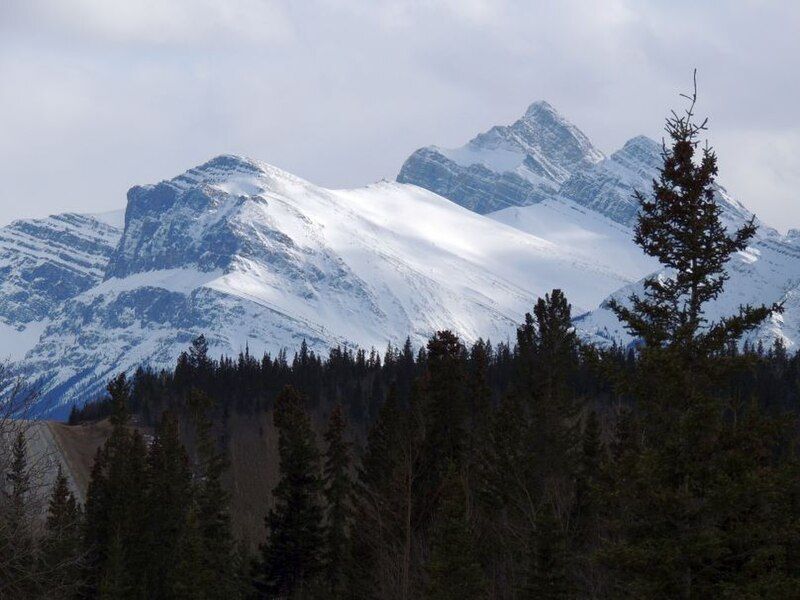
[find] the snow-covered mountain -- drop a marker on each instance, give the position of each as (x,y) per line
(250,255)
(512,165)
(590,209)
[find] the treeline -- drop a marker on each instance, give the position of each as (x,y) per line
(547,469)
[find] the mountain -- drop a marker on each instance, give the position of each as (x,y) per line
(250,255)
(43,263)
(254,257)
(512,165)
(590,209)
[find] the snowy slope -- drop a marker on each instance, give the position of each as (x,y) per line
(768,271)
(249,254)
(583,231)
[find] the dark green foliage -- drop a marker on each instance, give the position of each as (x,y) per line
(167,500)
(115,519)
(209,516)
(681,226)
(454,572)
(547,577)
(699,507)
(61,553)
(18,565)
(338,489)
(292,555)
(154,528)
(383,508)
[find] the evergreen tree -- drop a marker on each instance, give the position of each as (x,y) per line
(212,509)
(338,487)
(114,578)
(554,410)
(442,392)
(115,502)
(61,553)
(381,509)
(454,570)
(191,580)
(685,523)
(547,577)
(19,576)
(681,226)
(291,557)
(167,500)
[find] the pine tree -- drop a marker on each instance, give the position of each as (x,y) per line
(191,581)
(291,557)
(115,578)
(212,509)
(547,577)
(338,488)
(167,501)
(61,553)
(382,500)
(588,476)
(681,226)
(454,570)
(115,519)
(554,410)
(684,522)
(19,577)
(443,402)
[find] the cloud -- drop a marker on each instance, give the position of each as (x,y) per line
(155,22)
(99,95)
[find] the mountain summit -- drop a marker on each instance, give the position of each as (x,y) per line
(509,165)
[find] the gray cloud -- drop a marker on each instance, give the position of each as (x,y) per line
(96,96)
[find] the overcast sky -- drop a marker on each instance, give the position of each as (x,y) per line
(99,95)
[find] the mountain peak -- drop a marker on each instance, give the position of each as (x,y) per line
(540,108)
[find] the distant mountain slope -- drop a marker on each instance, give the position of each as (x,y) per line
(512,165)
(768,271)
(584,231)
(44,262)
(250,255)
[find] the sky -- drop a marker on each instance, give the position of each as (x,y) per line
(100,95)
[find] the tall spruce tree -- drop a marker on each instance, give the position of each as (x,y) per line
(292,554)
(442,392)
(61,553)
(554,408)
(115,519)
(547,577)
(212,507)
(19,575)
(167,501)
(689,522)
(338,509)
(381,562)
(454,571)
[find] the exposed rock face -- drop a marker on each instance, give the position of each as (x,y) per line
(512,165)
(44,262)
